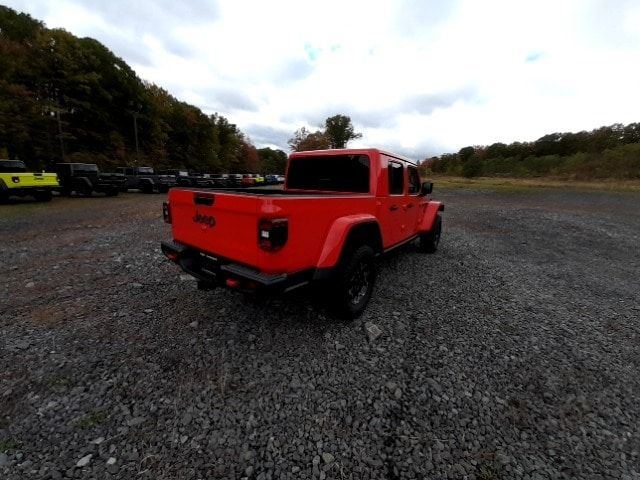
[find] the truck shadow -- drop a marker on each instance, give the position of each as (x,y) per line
(312,304)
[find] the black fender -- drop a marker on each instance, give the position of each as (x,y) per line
(81,181)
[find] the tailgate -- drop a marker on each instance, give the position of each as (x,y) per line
(222,224)
(23,180)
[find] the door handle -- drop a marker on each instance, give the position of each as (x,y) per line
(409,205)
(393,208)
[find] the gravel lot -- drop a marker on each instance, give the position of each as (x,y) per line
(514,352)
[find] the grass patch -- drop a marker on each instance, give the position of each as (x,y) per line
(517,185)
(91,419)
(8,444)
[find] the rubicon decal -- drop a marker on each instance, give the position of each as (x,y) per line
(206,220)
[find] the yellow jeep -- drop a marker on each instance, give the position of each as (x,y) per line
(16,181)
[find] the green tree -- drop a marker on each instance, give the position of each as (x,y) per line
(339,130)
(55,86)
(272,161)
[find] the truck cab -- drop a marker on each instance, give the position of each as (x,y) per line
(337,211)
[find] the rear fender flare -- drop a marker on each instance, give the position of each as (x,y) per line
(146,181)
(84,181)
(429,217)
(337,236)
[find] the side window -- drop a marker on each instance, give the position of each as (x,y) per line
(396,178)
(414,180)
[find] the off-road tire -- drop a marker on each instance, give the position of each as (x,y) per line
(354,283)
(43,196)
(429,241)
(84,190)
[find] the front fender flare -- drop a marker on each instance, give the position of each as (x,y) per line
(337,236)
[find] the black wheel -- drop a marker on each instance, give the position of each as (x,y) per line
(429,241)
(43,196)
(355,282)
(147,188)
(84,190)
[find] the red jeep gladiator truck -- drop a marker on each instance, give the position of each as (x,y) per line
(337,211)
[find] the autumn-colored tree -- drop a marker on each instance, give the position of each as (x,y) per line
(60,93)
(304,140)
(249,159)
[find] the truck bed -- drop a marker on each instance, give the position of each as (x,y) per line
(224,223)
(271,192)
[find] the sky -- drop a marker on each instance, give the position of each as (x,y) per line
(420,78)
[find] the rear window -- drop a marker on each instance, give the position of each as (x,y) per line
(12,166)
(85,168)
(145,170)
(335,173)
(396,178)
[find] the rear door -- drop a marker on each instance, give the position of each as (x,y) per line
(392,213)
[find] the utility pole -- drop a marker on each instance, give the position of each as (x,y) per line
(135,133)
(60,134)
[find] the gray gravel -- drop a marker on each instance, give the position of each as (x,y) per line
(513,352)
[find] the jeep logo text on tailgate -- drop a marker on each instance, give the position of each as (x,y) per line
(207,220)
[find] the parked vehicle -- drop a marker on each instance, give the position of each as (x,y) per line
(338,210)
(248,180)
(258,179)
(270,179)
(220,180)
(181,177)
(280,178)
(16,181)
(235,179)
(85,178)
(146,180)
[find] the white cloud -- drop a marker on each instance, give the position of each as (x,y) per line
(422,77)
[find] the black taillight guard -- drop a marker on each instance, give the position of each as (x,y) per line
(273,233)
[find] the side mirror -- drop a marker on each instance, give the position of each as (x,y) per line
(427,188)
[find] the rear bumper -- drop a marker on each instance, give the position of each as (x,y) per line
(21,191)
(224,272)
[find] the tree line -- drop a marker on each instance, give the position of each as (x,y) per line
(606,152)
(64,98)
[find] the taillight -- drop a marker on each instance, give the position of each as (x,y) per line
(173,256)
(273,233)
(166,212)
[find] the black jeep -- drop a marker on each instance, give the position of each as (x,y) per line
(85,178)
(146,180)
